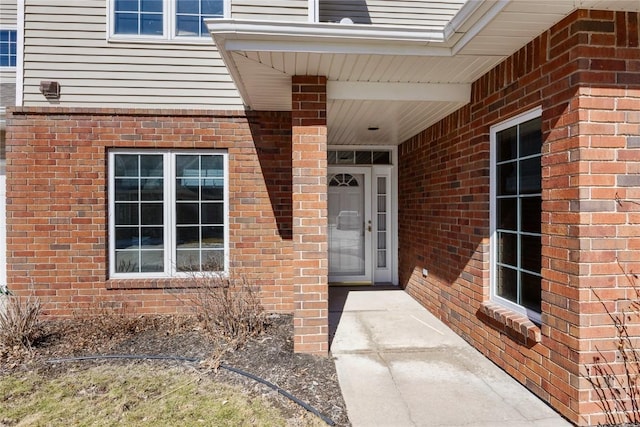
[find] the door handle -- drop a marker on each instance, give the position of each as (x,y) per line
(369,226)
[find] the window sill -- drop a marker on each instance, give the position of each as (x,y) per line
(157,283)
(513,324)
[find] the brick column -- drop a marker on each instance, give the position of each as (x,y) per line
(310,243)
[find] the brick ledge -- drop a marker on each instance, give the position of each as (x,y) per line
(512,321)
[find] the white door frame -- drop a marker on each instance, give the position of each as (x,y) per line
(393,175)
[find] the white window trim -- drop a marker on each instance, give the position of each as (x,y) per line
(168,28)
(169,213)
(521,118)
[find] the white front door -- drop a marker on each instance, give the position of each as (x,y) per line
(350,224)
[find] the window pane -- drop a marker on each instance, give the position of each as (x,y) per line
(188,237)
(212,7)
(151,189)
(152,214)
(187,213)
(507,284)
(127,190)
(212,166)
(188,26)
(345,157)
(507,144)
(381,158)
(213,189)
(127,237)
(507,179)
(151,24)
(212,213)
(151,237)
(363,157)
(188,260)
(126,214)
(127,5)
(212,260)
(187,166)
(213,237)
(126,23)
(531,250)
(151,261)
(530,176)
(151,166)
(188,6)
(508,248)
(507,213)
(126,165)
(151,5)
(531,137)
(187,189)
(127,262)
(531,292)
(531,218)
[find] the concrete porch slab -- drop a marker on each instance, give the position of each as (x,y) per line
(398,365)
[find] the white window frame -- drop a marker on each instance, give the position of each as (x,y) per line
(169,10)
(514,121)
(169,214)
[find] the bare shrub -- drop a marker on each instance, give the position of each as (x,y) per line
(19,321)
(227,306)
(617,382)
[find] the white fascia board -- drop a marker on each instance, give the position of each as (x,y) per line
(373,91)
(275,36)
(370,47)
(480,25)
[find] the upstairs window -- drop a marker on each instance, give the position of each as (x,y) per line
(164,19)
(190,16)
(8,48)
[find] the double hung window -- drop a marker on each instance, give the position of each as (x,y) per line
(167,213)
(165,19)
(516,180)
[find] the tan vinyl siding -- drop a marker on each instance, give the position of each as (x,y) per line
(8,13)
(273,10)
(68,44)
(408,13)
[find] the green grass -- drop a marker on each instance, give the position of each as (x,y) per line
(137,395)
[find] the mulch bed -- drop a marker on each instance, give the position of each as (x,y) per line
(269,356)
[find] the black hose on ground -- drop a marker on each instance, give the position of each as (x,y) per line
(283,392)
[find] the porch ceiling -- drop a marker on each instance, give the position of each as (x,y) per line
(398,80)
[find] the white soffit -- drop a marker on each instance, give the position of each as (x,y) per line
(400,80)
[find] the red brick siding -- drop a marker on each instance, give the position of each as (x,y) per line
(310,241)
(57,201)
(584,73)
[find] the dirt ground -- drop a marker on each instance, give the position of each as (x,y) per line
(269,356)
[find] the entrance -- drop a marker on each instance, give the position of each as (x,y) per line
(359,209)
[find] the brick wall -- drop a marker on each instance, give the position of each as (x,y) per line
(585,74)
(57,201)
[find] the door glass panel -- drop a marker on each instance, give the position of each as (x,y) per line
(381,190)
(346,225)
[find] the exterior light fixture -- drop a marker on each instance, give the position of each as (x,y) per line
(50,89)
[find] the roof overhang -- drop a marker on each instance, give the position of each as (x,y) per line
(399,80)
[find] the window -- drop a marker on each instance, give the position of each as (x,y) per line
(167,213)
(8,48)
(516,186)
(168,19)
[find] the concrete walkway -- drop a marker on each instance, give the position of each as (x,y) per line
(398,365)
